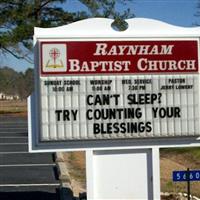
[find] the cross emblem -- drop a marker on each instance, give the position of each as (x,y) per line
(54,53)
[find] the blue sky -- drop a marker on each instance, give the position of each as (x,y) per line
(176,12)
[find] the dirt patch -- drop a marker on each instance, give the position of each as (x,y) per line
(179,159)
(76,165)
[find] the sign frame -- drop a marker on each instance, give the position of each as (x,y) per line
(94,29)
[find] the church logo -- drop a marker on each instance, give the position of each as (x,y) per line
(54,57)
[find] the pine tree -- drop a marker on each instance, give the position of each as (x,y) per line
(19,17)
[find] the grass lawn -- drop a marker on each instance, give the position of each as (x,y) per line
(12,107)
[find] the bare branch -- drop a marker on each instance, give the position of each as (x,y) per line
(25,56)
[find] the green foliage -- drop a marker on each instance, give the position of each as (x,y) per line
(106,8)
(19,17)
(16,83)
(8,80)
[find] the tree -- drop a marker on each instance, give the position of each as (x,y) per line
(25,83)
(16,83)
(8,80)
(29,81)
(106,8)
(18,17)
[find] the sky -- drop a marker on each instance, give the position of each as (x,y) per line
(176,12)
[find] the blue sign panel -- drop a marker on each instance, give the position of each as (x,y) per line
(194,175)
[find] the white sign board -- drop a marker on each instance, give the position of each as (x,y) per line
(94,88)
(119,107)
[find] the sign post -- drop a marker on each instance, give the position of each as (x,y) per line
(105,91)
(188,183)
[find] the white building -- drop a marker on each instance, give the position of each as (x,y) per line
(4,96)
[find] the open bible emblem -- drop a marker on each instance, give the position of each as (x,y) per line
(54,61)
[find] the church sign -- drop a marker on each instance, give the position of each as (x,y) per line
(95,89)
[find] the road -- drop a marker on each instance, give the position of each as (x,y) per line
(24,176)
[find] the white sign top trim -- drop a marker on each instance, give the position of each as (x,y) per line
(101,27)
